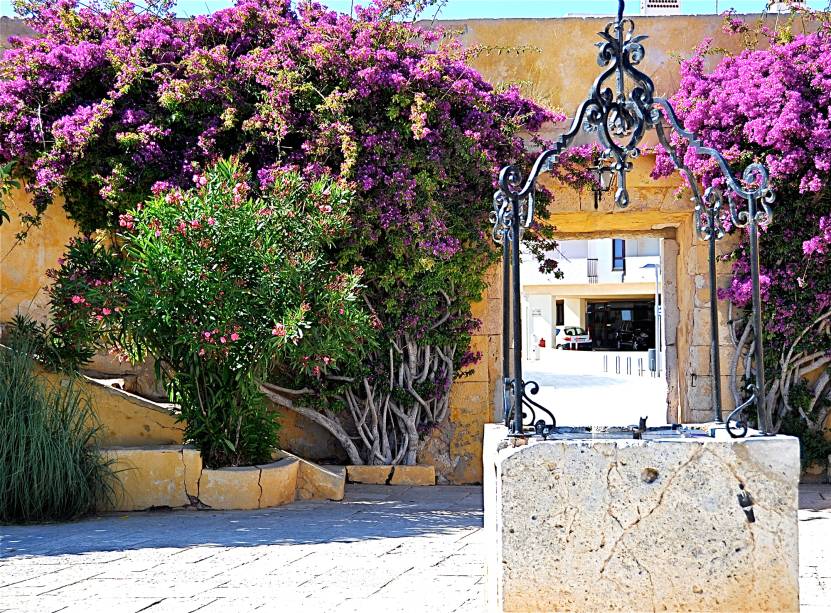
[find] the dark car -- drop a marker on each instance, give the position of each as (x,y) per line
(627,337)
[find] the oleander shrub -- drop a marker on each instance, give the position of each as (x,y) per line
(50,468)
(220,287)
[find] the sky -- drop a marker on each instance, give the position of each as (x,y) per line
(470,9)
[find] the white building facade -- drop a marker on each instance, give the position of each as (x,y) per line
(609,288)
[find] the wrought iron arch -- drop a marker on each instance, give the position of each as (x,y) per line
(620,117)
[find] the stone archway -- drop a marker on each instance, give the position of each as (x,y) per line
(658,210)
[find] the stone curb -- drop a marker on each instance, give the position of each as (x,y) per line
(173,476)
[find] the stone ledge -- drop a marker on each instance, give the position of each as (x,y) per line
(249,487)
(125,419)
(154,476)
(316,482)
(173,476)
(419,474)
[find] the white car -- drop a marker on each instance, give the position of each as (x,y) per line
(572,337)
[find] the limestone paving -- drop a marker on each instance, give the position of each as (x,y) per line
(384,548)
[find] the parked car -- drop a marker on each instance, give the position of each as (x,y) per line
(628,338)
(572,337)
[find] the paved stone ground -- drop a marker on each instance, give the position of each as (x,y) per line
(382,549)
(574,384)
(815,548)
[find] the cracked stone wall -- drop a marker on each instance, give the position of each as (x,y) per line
(623,525)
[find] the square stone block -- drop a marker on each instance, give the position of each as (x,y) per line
(153,476)
(641,525)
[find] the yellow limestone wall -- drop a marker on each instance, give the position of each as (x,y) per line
(23,266)
(557,68)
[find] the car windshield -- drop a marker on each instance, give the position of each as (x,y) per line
(575,331)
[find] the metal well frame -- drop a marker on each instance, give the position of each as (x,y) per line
(619,118)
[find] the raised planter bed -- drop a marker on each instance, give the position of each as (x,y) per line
(173,476)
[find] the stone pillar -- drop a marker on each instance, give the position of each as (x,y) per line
(575,312)
(641,525)
(671,319)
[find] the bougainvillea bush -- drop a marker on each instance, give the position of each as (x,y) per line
(219,287)
(770,103)
(111,106)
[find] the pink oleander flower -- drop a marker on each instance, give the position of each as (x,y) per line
(223,340)
(211,221)
(278,330)
(77,299)
(234,336)
(126,221)
(106,311)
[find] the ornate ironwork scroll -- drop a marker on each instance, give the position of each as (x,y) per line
(620,109)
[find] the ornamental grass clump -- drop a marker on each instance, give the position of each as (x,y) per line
(50,466)
(220,288)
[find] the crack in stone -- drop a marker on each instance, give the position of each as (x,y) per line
(698,452)
(648,576)
(260,485)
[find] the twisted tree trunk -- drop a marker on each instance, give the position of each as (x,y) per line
(385,418)
(795,363)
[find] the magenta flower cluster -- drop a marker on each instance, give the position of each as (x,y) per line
(771,103)
(110,104)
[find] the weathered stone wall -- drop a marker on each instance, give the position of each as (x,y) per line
(647,525)
(23,266)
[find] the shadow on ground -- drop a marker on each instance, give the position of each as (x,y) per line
(367,512)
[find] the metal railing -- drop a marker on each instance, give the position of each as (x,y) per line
(619,119)
(591,270)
